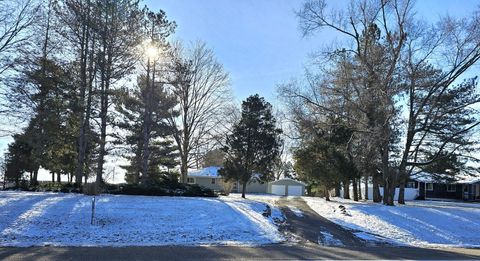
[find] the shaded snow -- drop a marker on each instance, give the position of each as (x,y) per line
(421,223)
(28,219)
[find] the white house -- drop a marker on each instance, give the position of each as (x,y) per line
(209,177)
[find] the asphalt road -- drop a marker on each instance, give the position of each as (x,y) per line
(271,252)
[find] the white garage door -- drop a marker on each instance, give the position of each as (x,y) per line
(278,190)
(294,190)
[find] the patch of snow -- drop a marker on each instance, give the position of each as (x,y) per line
(296,211)
(417,224)
(38,219)
(265,198)
(329,240)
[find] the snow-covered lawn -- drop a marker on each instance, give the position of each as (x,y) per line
(28,219)
(419,223)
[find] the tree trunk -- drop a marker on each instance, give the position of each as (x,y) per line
(337,190)
(244,188)
(103,136)
(355,189)
(401,190)
(53,176)
(359,188)
(366,187)
(83,88)
(389,187)
(59,177)
(87,77)
(377,198)
(183,169)
(146,126)
(346,189)
(35,177)
(388,176)
(327,194)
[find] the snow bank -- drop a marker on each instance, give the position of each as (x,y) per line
(418,223)
(37,219)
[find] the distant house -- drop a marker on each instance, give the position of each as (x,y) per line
(459,187)
(209,177)
(286,187)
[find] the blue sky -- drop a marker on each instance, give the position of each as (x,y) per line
(258,41)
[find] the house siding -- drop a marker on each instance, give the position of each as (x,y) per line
(252,187)
(207,182)
(255,186)
(440,191)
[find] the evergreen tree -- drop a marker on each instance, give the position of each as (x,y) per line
(253,145)
(19,160)
(132,105)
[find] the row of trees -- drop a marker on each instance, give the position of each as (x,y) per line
(98,78)
(390,100)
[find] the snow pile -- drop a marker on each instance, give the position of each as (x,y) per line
(28,219)
(418,223)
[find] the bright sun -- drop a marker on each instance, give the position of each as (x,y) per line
(152,52)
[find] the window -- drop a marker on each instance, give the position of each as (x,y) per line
(411,184)
(451,188)
(213,181)
(430,186)
(190,180)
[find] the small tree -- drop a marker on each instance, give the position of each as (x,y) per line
(227,186)
(201,86)
(253,145)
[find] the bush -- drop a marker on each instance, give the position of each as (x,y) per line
(91,189)
(174,189)
(48,187)
(227,186)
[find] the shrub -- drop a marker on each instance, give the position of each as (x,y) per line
(91,189)
(173,189)
(227,186)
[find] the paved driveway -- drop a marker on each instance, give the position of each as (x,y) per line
(304,224)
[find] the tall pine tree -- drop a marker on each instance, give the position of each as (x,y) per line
(133,105)
(253,145)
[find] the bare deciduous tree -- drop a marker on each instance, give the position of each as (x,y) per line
(201,86)
(15,18)
(385,45)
